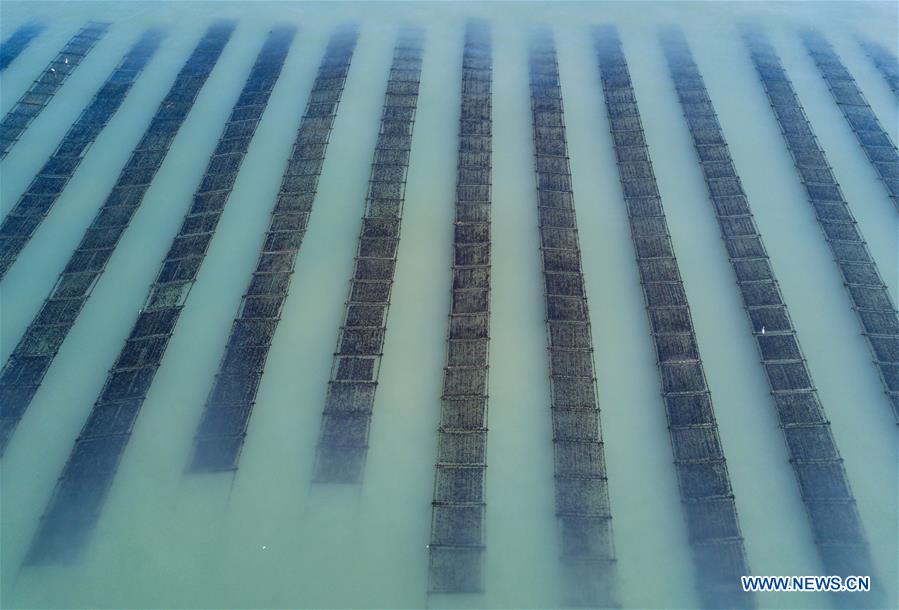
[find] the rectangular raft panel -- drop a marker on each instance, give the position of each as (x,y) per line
(885,62)
(42,90)
(223,427)
(22,374)
(456,550)
(13,46)
(873,138)
(38,199)
(869,295)
(346,417)
(89,472)
(810,444)
(581,487)
(706,494)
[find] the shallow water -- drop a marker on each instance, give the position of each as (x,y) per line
(266,537)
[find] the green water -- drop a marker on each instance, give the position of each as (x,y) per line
(266,537)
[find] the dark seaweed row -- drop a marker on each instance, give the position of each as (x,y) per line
(823,483)
(884,61)
(703,479)
(870,297)
(810,444)
(581,487)
(223,428)
(871,135)
(346,417)
(23,220)
(48,83)
(92,465)
(22,374)
(18,40)
(456,549)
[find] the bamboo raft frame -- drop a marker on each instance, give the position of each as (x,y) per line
(91,467)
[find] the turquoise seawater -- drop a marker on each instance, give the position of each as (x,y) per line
(266,537)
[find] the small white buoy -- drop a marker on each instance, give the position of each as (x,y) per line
(264,547)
